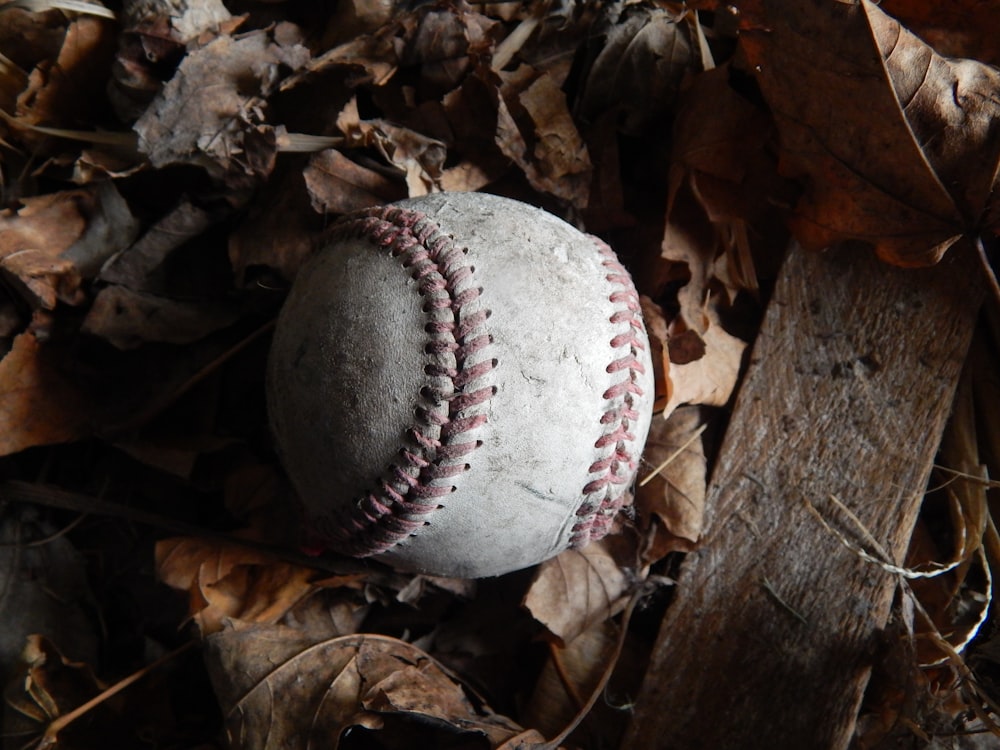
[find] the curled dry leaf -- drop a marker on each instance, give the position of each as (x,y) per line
(901,150)
(227,580)
(720,156)
(674,497)
(127,319)
(581,587)
(705,366)
(420,158)
(279,688)
(67,91)
(212,113)
(43,240)
(49,686)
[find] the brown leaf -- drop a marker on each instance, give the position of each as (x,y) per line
(559,162)
(641,55)
(51,685)
(674,498)
(278,233)
(581,587)
(40,403)
(902,148)
(329,686)
(227,580)
(338,185)
(420,158)
(709,376)
(43,589)
(33,238)
(567,680)
(212,112)
(67,91)
(127,319)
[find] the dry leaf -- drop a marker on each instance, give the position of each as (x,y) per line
(127,319)
(675,495)
(338,185)
(328,688)
(212,113)
(278,233)
(50,685)
(420,158)
(40,403)
(901,150)
(581,587)
(559,162)
(227,580)
(640,56)
(67,91)
(43,589)
(566,682)
(41,242)
(705,366)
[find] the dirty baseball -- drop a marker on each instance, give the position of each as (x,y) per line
(460,385)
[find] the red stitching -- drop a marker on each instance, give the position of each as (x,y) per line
(605,492)
(394,509)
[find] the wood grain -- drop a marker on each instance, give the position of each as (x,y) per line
(770,639)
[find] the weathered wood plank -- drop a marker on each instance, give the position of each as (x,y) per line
(769,641)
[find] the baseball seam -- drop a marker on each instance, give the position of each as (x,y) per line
(452,403)
(614,471)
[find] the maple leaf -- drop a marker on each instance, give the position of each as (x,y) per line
(902,148)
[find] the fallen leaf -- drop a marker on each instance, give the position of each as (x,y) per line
(331,687)
(558,162)
(43,589)
(278,233)
(67,91)
(212,113)
(227,580)
(672,503)
(40,402)
(50,685)
(580,587)
(710,377)
(127,319)
(34,241)
(902,149)
(421,159)
(657,329)
(640,55)
(569,677)
(338,185)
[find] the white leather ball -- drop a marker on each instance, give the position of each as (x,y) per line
(460,385)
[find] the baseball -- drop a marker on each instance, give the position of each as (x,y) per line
(460,385)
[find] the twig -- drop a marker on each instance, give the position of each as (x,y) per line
(602,684)
(769,588)
(57,725)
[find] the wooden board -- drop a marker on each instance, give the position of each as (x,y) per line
(770,639)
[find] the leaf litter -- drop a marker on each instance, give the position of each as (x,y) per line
(165,168)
